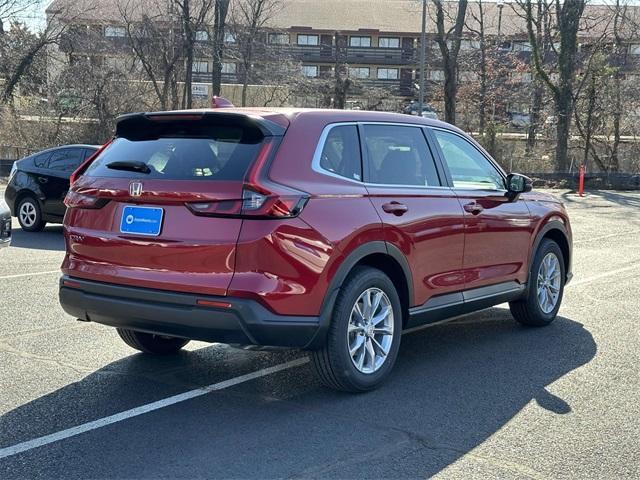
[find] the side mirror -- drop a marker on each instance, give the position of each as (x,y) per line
(517,184)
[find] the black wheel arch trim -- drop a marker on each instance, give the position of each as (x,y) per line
(343,271)
(546,228)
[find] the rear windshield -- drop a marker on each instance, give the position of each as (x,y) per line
(225,154)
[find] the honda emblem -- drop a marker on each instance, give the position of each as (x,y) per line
(135,189)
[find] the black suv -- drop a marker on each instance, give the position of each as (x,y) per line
(38,184)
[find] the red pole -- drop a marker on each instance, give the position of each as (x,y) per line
(581,181)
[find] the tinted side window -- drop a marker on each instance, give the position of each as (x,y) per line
(398,155)
(66,160)
(341,152)
(42,160)
(468,167)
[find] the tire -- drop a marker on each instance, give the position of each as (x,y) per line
(30,215)
(150,343)
(333,363)
(532,310)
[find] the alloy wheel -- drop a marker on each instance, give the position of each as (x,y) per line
(370,330)
(28,214)
(549,280)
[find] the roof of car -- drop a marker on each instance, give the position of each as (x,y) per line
(284,116)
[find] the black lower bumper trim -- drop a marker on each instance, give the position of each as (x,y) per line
(177,314)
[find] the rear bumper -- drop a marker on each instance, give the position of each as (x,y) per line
(244,322)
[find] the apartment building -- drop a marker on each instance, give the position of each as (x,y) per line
(375,41)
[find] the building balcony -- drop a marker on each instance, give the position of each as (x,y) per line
(351,55)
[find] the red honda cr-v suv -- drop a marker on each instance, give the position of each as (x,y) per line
(330,231)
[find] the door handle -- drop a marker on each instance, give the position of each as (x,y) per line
(473,208)
(396,208)
(43,179)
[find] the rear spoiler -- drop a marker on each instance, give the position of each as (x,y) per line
(152,124)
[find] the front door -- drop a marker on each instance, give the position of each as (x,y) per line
(420,216)
(497,231)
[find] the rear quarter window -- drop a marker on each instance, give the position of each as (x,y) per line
(225,154)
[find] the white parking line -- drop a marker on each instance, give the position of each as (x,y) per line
(635,266)
(198,392)
(20,275)
(150,407)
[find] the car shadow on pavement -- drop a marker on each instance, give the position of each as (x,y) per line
(48,239)
(454,386)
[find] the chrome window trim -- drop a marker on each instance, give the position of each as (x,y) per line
(491,161)
(316,167)
(315,163)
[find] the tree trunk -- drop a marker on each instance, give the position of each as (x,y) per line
(534,116)
(450,91)
(589,127)
(615,161)
(220,20)
(563,108)
(483,86)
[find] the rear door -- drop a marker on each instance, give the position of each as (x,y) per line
(497,232)
(420,215)
(54,179)
(167,203)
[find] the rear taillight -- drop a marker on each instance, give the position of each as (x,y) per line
(83,166)
(254,204)
(79,200)
(261,198)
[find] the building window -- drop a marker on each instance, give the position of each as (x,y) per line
(387,73)
(360,42)
(389,42)
(307,39)
(466,44)
(521,77)
(521,47)
(310,71)
(112,31)
(436,75)
(634,49)
(116,63)
(200,67)
(359,72)
(229,37)
(467,76)
(202,36)
(505,46)
(229,68)
(279,38)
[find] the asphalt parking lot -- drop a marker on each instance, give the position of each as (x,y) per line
(473,398)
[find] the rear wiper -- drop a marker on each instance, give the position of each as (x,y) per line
(130,165)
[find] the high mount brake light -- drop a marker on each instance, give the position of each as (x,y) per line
(176,117)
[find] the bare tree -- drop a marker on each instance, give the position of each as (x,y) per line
(219,24)
(193,16)
(542,12)
(156,45)
(19,56)
(248,19)
(479,30)
(9,9)
(567,23)
(448,40)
